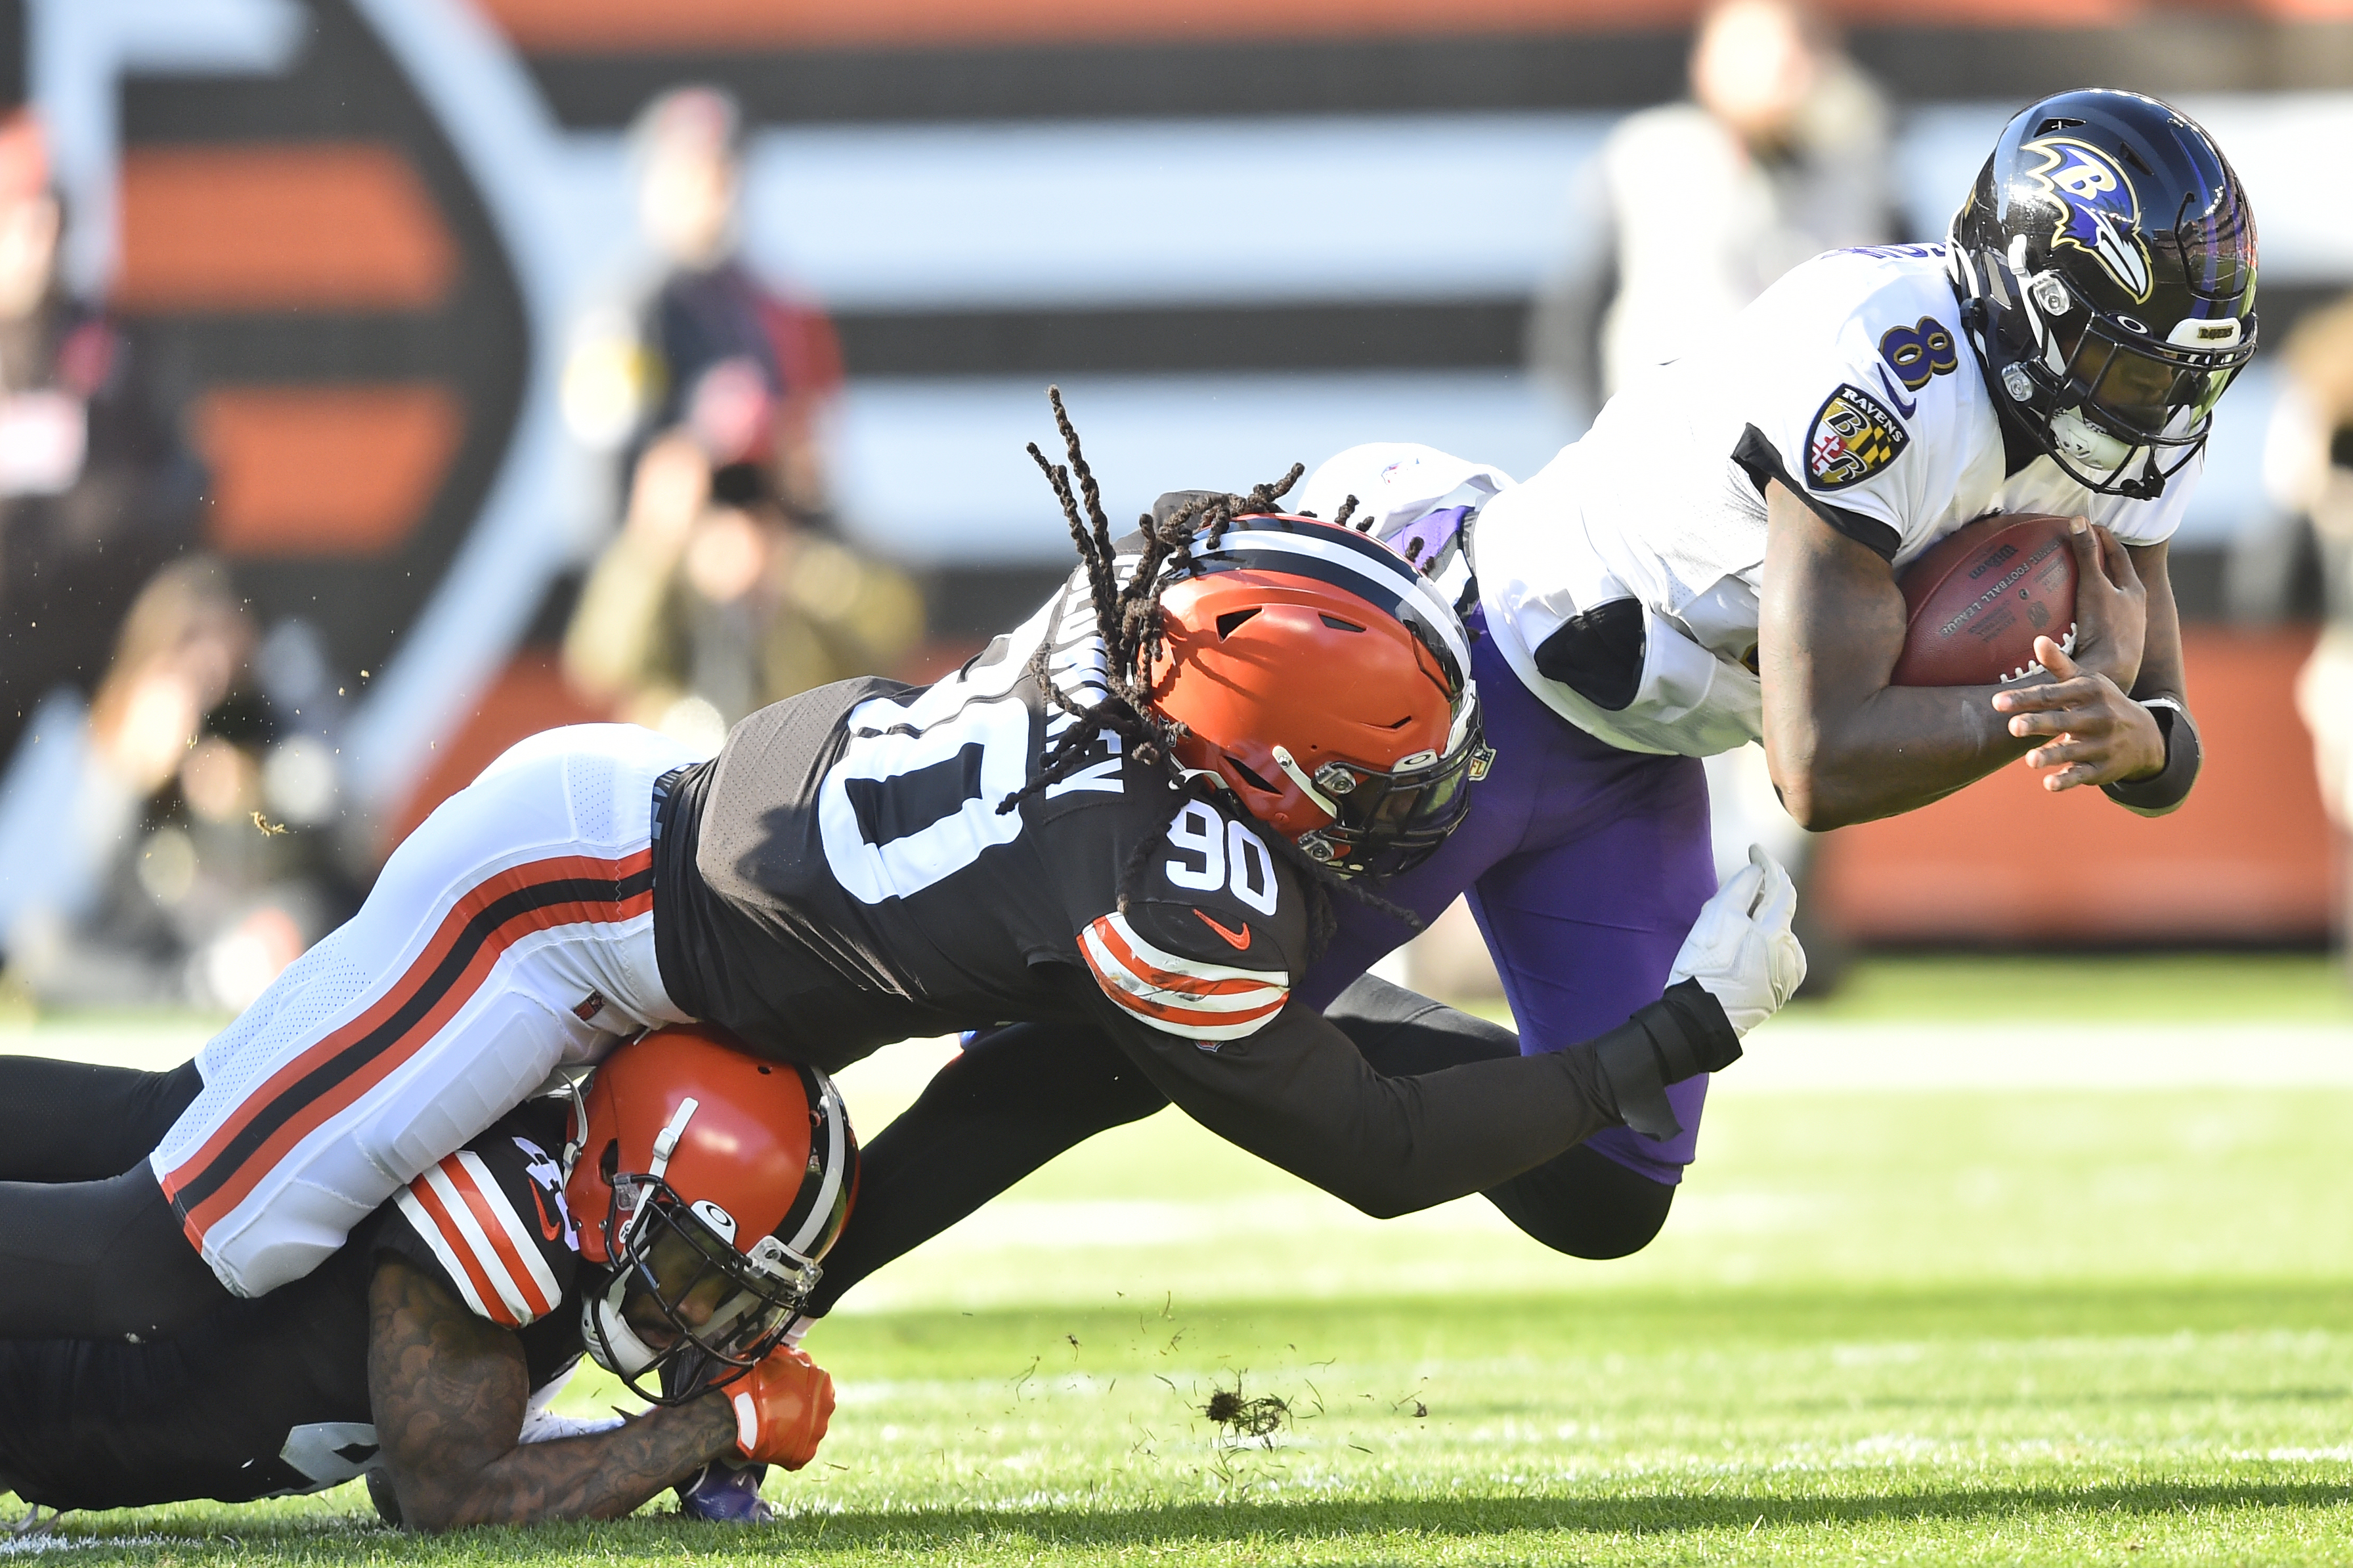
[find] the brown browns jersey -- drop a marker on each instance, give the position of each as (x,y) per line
(841,875)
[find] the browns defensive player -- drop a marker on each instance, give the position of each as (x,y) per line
(1133,812)
(669,1235)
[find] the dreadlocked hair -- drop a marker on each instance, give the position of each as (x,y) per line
(1127,615)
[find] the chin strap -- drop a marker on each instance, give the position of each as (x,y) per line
(610,1341)
(666,1140)
(2170,786)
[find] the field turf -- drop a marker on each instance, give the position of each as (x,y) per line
(1931,1319)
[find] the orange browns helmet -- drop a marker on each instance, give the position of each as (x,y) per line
(1326,684)
(699,1173)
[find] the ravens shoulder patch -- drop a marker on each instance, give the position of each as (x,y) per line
(1854,435)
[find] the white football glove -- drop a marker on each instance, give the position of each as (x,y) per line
(1740,948)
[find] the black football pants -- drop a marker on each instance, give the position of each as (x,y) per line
(1026,1092)
(89,1245)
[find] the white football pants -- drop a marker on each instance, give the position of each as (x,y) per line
(512,933)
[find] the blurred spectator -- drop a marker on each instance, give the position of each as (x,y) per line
(97,486)
(701,611)
(1698,206)
(726,588)
(2309,469)
(155,848)
(126,847)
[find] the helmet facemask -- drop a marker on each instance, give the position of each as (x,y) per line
(1385,823)
(716,1206)
(2117,410)
(682,1305)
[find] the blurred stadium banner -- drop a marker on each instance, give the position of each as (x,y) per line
(1239,232)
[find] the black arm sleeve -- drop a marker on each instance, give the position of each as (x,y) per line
(1021,1095)
(1578,1202)
(1299,1095)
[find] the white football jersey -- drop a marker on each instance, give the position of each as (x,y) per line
(1850,382)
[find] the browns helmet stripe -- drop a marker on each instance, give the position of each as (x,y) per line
(1348,561)
(817,1215)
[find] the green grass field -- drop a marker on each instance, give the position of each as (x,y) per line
(1949,1320)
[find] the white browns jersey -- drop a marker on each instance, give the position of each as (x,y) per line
(1849,382)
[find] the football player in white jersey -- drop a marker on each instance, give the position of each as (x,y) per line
(1714,563)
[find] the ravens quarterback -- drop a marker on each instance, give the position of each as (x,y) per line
(667,1221)
(1714,563)
(1139,812)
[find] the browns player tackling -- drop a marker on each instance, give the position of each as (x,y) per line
(1133,814)
(1716,564)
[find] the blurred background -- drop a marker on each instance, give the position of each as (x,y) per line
(381,381)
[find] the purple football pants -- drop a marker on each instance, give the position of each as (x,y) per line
(1586,866)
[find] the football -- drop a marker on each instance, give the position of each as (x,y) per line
(1976,602)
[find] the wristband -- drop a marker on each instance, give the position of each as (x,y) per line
(2170,786)
(1682,1035)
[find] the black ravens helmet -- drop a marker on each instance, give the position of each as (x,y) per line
(2106,261)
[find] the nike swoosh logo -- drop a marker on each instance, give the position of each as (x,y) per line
(1238,941)
(547,1225)
(1905,409)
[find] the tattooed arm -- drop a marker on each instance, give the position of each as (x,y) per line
(448,1391)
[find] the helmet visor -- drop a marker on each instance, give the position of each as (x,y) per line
(2130,412)
(2150,396)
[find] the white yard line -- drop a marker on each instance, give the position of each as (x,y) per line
(1805,1057)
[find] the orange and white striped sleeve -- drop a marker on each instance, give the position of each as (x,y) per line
(503,1246)
(1200,1000)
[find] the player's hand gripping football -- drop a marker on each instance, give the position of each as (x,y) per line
(782,1406)
(2096,734)
(1741,949)
(2111,609)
